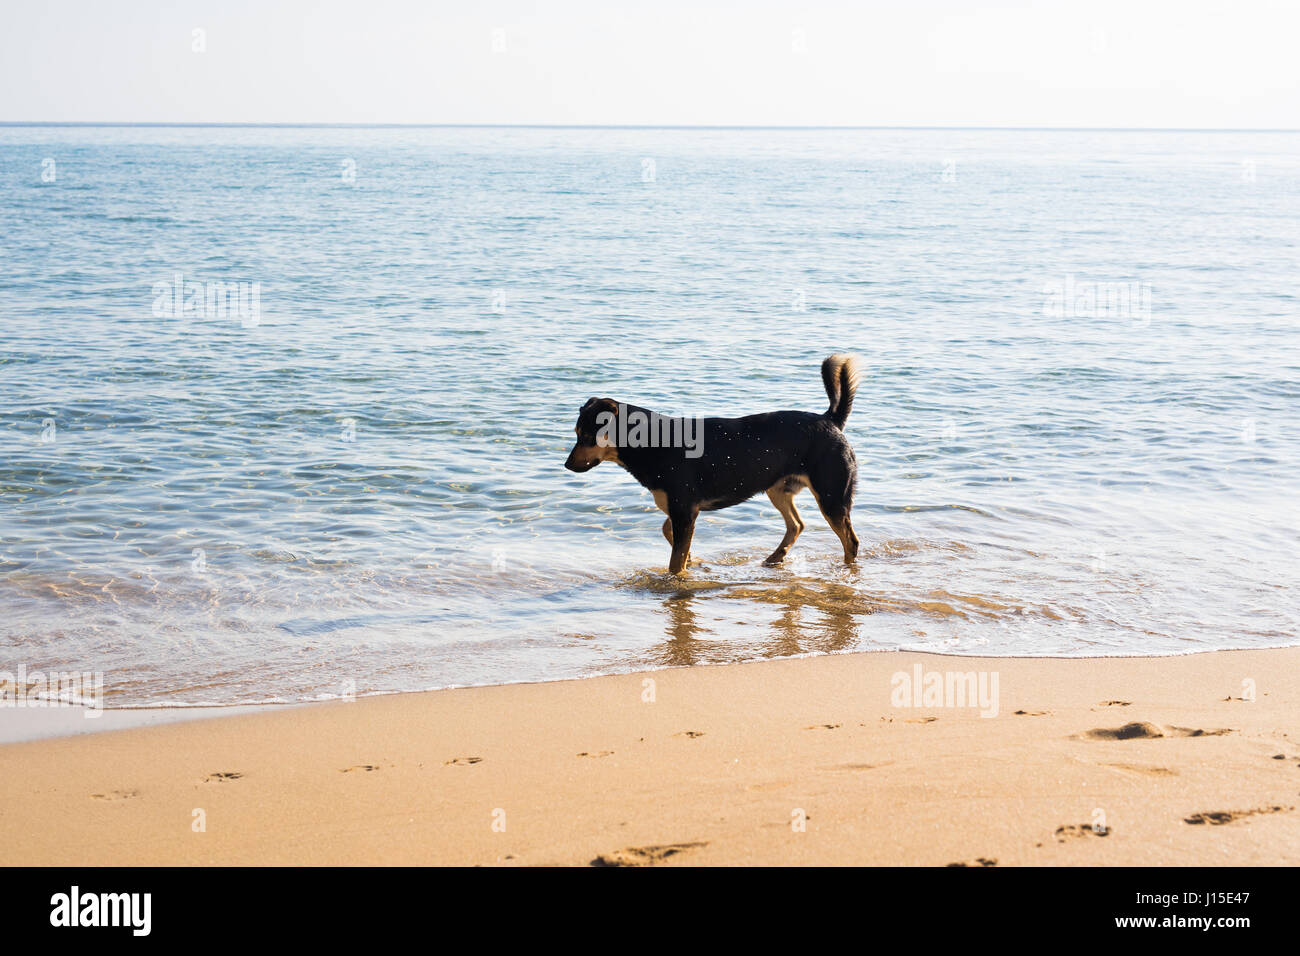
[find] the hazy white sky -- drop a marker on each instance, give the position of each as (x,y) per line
(1192,63)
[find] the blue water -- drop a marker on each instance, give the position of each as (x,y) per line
(359,488)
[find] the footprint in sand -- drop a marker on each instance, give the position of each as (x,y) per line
(921,720)
(690,733)
(1146,769)
(855,767)
(222,777)
(823,727)
(1145,730)
(645,855)
(1074,831)
(115,795)
(462,761)
(367,767)
(598,753)
(979,861)
(1218,818)
(1031,713)
(1115,703)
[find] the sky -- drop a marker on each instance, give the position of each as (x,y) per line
(1101,63)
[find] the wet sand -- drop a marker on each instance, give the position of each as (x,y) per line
(1135,761)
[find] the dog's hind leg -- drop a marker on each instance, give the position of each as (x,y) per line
(848,538)
(842,525)
(835,507)
(784,501)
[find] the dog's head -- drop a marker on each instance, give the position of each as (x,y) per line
(596,430)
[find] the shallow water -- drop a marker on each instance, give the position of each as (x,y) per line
(360,488)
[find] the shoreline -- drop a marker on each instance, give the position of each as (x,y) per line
(807,760)
(28,723)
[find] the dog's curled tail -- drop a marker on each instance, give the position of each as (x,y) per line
(840,376)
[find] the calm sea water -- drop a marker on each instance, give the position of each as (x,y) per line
(1078,428)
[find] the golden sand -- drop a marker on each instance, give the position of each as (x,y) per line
(804,761)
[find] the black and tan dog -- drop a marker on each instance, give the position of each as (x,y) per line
(724,461)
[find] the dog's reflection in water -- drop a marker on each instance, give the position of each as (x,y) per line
(799,628)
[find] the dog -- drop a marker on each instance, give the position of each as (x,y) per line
(731,460)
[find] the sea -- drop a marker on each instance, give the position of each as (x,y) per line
(284,410)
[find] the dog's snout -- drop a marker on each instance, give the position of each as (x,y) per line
(576,462)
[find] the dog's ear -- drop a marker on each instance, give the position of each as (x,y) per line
(602,407)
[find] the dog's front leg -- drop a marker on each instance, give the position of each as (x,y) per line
(683,523)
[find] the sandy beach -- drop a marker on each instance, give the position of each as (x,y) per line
(1091,762)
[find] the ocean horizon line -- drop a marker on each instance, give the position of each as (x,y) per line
(126,124)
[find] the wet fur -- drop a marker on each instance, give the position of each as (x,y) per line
(779,453)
